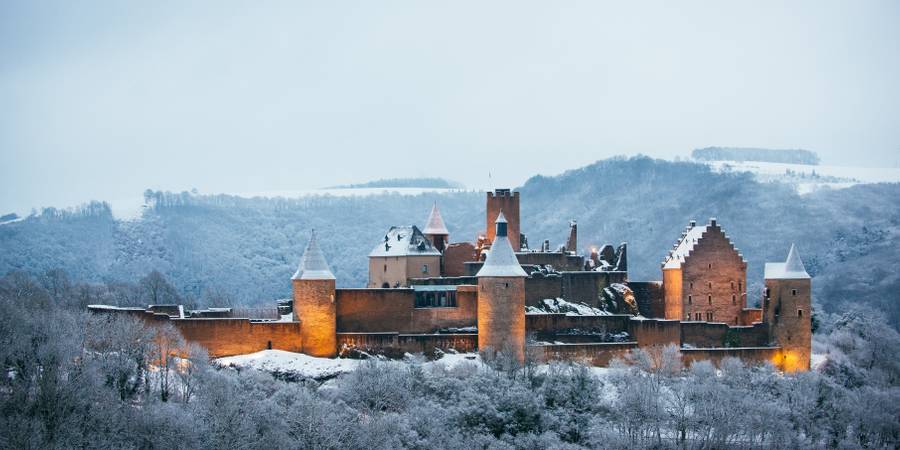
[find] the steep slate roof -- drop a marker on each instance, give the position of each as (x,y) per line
(435,224)
(791,269)
(684,247)
(692,235)
(501,260)
(404,241)
(312,264)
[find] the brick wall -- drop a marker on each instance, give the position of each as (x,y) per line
(596,354)
(709,335)
(539,287)
(553,323)
(393,310)
(650,298)
(396,344)
(749,355)
(587,286)
(455,257)
(226,337)
(649,332)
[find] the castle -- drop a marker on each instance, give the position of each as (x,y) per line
(427,294)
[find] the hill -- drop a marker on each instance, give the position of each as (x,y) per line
(439,183)
(224,248)
(792,156)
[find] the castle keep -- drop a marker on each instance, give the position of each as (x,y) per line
(427,294)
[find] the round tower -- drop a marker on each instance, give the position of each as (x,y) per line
(501,297)
(314,304)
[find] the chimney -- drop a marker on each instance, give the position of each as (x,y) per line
(712,221)
(693,223)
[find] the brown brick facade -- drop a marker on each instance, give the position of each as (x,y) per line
(508,202)
(314,306)
(501,315)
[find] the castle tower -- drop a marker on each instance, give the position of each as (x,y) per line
(787,308)
(572,242)
(435,230)
(508,202)
(314,289)
(501,296)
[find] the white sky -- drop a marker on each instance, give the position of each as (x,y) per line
(103,100)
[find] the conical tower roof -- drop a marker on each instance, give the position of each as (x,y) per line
(501,259)
(791,269)
(435,223)
(794,264)
(312,264)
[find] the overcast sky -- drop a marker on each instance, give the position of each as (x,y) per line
(103,100)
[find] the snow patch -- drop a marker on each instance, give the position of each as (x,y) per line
(298,363)
(560,306)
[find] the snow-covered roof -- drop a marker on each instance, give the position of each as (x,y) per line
(501,260)
(404,241)
(791,269)
(678,254)
(312,264)
(435,224)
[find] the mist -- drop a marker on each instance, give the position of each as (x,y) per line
(103,100)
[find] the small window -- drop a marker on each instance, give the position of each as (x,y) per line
(709,317)
(385,285)
(793,292)
(709,285)
(740,285)
(709,297)
(507,285)
(690,300)
(732,285)
(709,266)
(687,316)
(269,345)
(385,267)
(767,292)
(698,316)
(734,300)
(799,313)
(424,268)
(691,284)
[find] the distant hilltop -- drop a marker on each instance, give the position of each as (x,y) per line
(438,183)
(789,156)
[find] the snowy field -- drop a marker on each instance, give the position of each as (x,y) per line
(807,178)
(306,366)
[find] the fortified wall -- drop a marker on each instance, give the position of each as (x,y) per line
(480,297)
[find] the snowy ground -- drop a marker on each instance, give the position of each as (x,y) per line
(282,361)
(807,178)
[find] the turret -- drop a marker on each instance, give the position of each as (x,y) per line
(314,304)
(787,308)
(501,297)
(435,230)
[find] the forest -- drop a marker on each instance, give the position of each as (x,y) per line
(76,380)
(221,250)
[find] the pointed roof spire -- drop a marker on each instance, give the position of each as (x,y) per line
(312,264)
(501,260)
(435,223)
(794,264)
(792,268)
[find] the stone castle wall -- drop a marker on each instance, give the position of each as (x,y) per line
(393,310)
